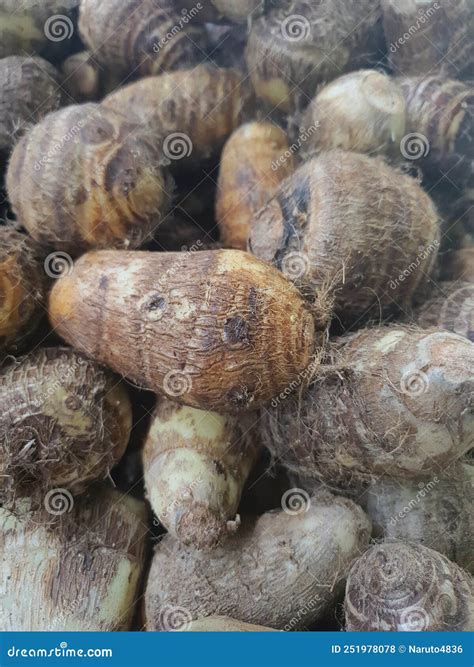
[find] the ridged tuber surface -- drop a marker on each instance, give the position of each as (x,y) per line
(190,113)
(29,90)
(140,37)
(217,330)
(392,400)
(223,624)
(400,587)
(255,160)
(195,464)
(76,572)
(438,513)
(362,111)
(452,309)
(428,37)
(299,44)
(86,177)
(280,570)
(352,227)
(65,422)
(22,290)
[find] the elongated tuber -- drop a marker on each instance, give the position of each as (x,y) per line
(217,330)
(362,111)
(64,423)
(22,290)
(299,44)
(190,113)
(223,624)
(256,158)
(195,464)
(330,230)
(82,561)
(452,309)
(401,587)
(391,400)
(85,177)
(281,570)
(147,37)
(29,90)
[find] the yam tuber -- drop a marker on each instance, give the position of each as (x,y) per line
(280,570)
(82,569)
(401,587)
(85,177)
(64,422)
(216,330)
(255,159)
(451,310)
(195,464)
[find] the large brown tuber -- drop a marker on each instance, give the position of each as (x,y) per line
(86,177)
(280,570)
(29,90)
(71,565)
(452,309)
(217,330)
(353,228)
(190,113)
(195,464)
(64,422)
(391,400)
(140,38)
(255,160)
(400,587)
(299,44)
(22,290)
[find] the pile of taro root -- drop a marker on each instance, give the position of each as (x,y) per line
(236,315)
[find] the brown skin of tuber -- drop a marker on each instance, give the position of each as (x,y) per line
(65,422)
(332,232)
(29,90)
(395,586)
(216,330)
(452,309)
(130,37)
(393,400)
(254,161)
(222,10)
(281,570)
(22,290)
(223,624)
(86,177)
(82,77)
(458,265)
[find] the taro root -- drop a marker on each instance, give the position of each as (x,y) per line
(189,113)
(393,400)
(280,570)
(82,77)
(85,177)
(196,463)
(299,44)
(80,559)
(64,422)
(362,111)
(216,330)
(140,38)
(22,290)
(29,90)
(452,309)
(352,228)
(401,587)
(256,158)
